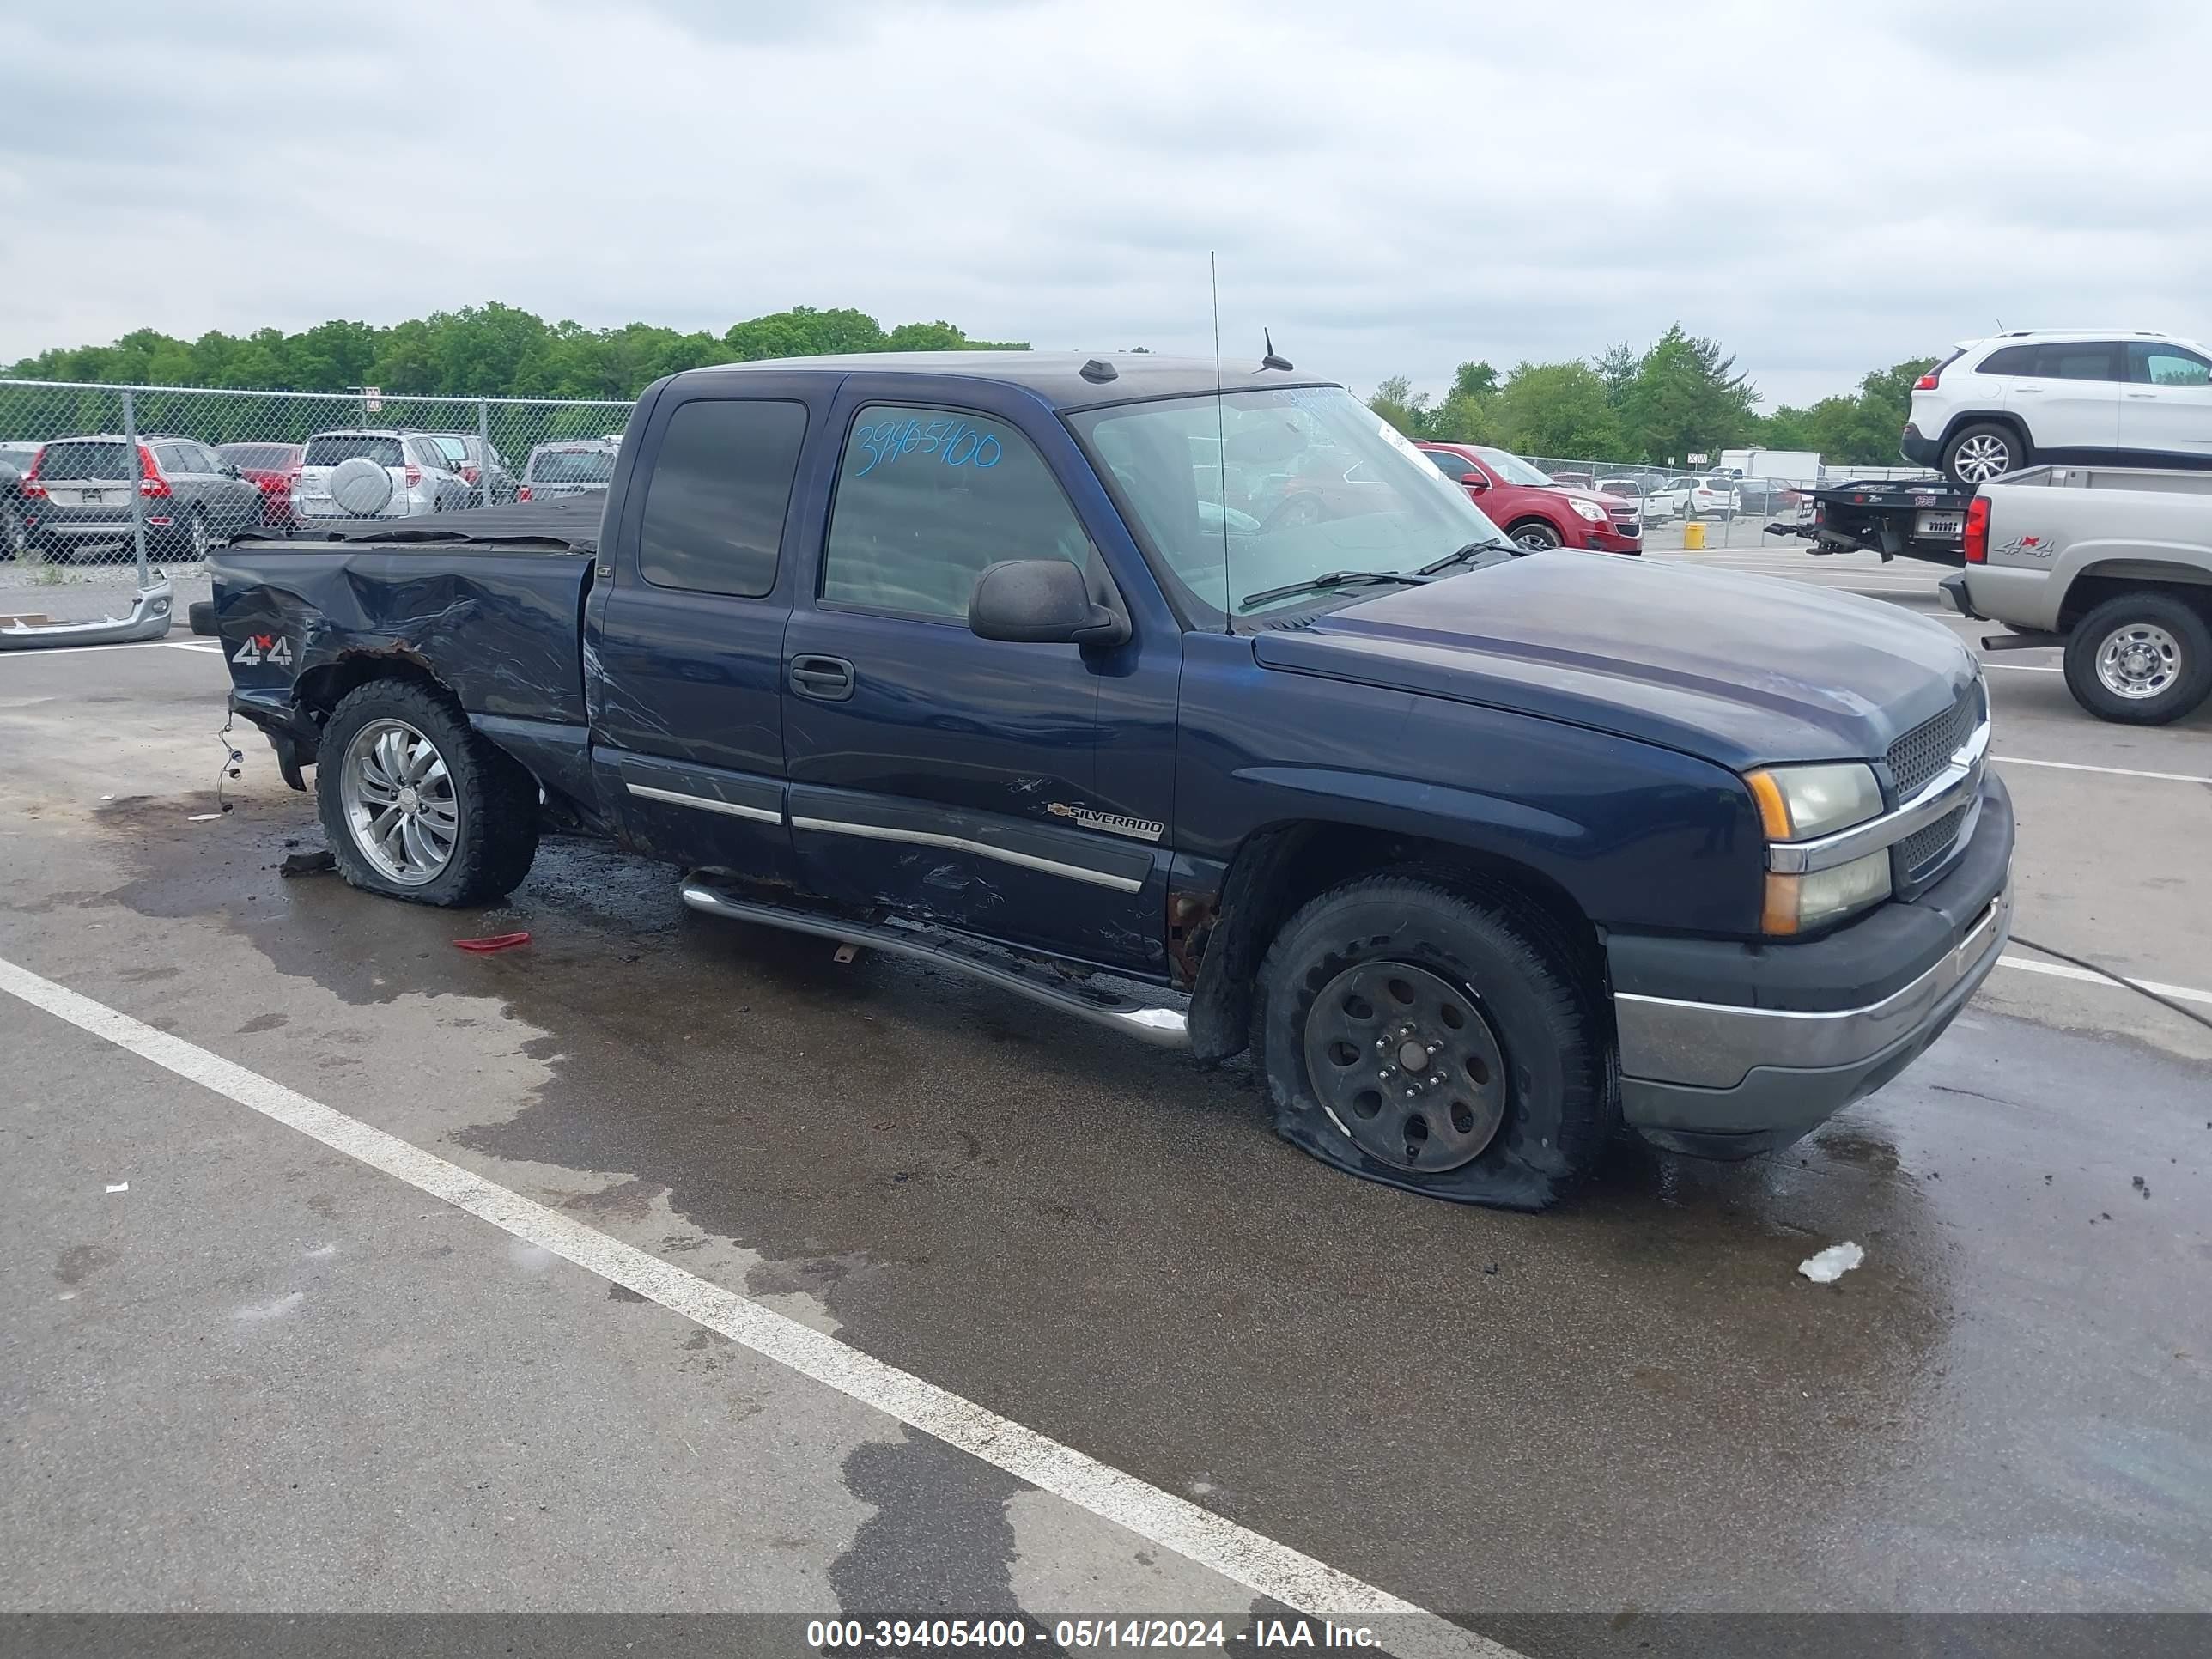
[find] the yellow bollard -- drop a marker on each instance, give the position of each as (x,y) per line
(1694,537)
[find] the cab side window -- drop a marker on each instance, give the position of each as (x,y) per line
(720,489)
(927,499)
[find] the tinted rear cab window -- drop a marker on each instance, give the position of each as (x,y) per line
(330,451)
(715,502)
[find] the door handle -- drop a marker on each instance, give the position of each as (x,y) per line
(829,678)
(2034,391)
(2142,394)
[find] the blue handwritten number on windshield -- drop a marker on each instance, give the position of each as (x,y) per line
(954,442)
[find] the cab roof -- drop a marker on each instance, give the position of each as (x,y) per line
(1056,377)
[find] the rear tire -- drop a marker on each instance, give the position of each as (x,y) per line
(2140,659)
(1981,451)
(493,833)
(1523,1099)
(15,535)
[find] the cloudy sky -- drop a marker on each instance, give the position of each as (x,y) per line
(1392,188)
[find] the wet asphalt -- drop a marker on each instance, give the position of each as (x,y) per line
(1633,1406)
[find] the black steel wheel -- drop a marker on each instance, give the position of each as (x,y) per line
(1405,1065)
(1454,988)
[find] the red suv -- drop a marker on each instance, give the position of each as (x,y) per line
(1534,511)
(272,469)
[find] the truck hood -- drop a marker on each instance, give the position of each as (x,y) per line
(1742,670)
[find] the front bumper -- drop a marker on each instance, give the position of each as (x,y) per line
(1728,1050)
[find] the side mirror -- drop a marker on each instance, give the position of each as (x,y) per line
(1041,602)
(1474,481)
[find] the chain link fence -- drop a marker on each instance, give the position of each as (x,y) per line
(107,489)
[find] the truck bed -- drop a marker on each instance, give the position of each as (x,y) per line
(500,614)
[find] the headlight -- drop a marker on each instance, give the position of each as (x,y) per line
(1590,510)
(1794,903)
(1803,803)
(1797,803)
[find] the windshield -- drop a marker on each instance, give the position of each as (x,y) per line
(1284,485)
(1512,468)
(572,466)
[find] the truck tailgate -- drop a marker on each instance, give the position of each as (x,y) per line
(501,625)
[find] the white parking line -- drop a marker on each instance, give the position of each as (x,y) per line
(30,654)
(2023,667)
(2063,970)
(2115,771)
(191,645)
(1243,1557)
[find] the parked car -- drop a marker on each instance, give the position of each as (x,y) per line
(1536,512)
(579,466)
(372,473)
(475,461)
(1995,406)
(939,655)
(2115,564)
(274,469)
(78,495)
(1709,498)
(1762,495)
(15,460)
(1650,507)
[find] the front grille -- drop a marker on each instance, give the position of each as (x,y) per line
(1923,752)
(1628,527)
(1924,849)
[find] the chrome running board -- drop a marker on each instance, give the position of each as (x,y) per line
(1149,1013)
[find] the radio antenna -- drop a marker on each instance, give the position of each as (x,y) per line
(1220,443)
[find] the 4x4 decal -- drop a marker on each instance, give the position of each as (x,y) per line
(265,647)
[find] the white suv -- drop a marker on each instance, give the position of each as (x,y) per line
(376,473)
(1994,406)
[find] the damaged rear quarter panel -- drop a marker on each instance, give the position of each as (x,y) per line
(499,628)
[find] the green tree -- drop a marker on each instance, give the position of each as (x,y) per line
(1556,409)
(1687,399)
(1475,381)
(1616,365)
(1397,401)
(487,350)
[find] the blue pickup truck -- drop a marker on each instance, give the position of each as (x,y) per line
(1204,709)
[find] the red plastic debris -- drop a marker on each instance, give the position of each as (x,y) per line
(491,942)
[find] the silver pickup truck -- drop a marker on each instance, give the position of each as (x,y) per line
(2113,562)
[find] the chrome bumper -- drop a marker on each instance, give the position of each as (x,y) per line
(1711,1045)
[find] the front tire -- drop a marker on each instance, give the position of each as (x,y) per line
(1535,535)
(1514,1099)
(1982,451)
(418,805)
(2140,659)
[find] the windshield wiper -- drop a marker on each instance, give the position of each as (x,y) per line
(1331,578)
(1460,555)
